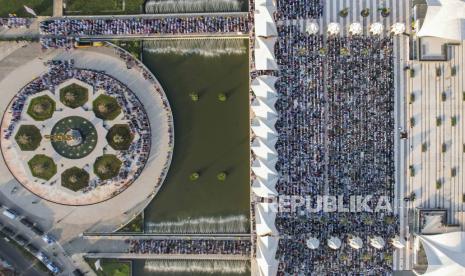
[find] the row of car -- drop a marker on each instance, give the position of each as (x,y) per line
(14,215)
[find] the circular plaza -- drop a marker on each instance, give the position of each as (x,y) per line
(92,129)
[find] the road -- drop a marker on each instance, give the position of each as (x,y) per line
(13,256)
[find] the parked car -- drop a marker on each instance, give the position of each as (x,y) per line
(21,240)
(27,222)
(8,231)
(32,248)
(37,230)
(10,213)
(48,238)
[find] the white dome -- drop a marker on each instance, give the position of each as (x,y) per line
(377,242)
(398,28)
(334,243)
(313,243)
(312,28)
(356,242)
(334,28)
(356,28)
(376,28)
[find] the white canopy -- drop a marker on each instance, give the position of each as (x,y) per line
(377,242)
(377,28)
(312,28)
(265,215)
(270,4)
(398,28)
(264,53)
(313,243)
(264,88)
(356,28)
(264,23)
(356,242)
(334,243)
(266,252)
(264,170)
(334,28)
(263,129)
(264,188)
(263,151)
(445,253)
(397,242)
(444,19)
(264,110)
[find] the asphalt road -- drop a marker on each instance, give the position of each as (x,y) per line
(13,256)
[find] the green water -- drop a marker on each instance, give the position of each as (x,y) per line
(138,269)
(210,137)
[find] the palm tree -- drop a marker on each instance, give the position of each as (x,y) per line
(194,176)
(73,179)
(38,168)
(103,168)
(39,108)
(222,97)
(221,176)
(344,12)
(365,12)
(194,96)
(70,97)
(24,139)
(385,12)
(102,108)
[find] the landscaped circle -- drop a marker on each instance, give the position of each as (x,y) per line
(75,179)
(74,137)
(106,107)
(119,137)
(42,167)
(107,166)
(28,137)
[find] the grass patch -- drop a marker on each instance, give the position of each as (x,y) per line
(120,137)
(134,226)
(111,267)
(134,47)
(41,7)
(107,166)
(41,108)
(106,107)
(83,7)
(74,95)
(75,179)
(42,166)
(28,137)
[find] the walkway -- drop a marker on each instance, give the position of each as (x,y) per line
(57,8)
(168,256)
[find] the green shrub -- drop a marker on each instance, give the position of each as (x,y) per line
(75,179)
(412,170)
(412,122)
(424,147)
(42,167)
(438,121)
(120,137)
(74,95)
(41,108)
(107,166)
(453,172)
(453,121)
(412,72)
(438,72)
(444,147)
(438,184)
(443,96)
(453,71)
(106,107)
(412,97)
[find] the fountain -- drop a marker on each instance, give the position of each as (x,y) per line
(192,6)
(214,267)
(205,225)
(203,47)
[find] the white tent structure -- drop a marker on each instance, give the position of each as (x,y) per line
(264,23)
(376,28)
(266,253)
(355,28)
(313,243)
(259,4)
(377,242)
(334,28)
(356,242)
(265,215)
(397,242)
(334,243)
(445,253)
(264,53)
(264,188)
(444,19)
(263,129)
(312,28)
(265,110)
(264,151)
(265,171)
(264,88)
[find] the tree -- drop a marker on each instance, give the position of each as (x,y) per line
(194,176)
(222,97)
(70,97)
(24,139)
(221,176)
(385,12)
(102,108)
(118,139)
(194,96)
(365,12)
(344,12)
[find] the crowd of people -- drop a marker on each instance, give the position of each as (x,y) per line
(336,131)
(296,9)
(144,26)
(12,21)
(134,114)
(190,246)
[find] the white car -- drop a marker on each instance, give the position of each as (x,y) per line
(48,239)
